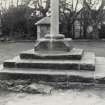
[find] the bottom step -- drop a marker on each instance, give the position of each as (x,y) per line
(47,75)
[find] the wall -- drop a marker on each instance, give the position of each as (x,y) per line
(42,30)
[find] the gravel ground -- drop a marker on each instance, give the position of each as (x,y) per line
(58,97)
(98,47)
(10,50)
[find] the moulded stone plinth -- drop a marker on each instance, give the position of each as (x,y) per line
(52,37)
(55,45)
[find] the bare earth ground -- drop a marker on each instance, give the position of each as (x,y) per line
(58,97)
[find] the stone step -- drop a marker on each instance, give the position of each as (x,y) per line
(74,54)
(86,63)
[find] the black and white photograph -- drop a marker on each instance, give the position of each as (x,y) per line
(52,52)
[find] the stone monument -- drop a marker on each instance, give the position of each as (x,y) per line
(54,41)
(54,60)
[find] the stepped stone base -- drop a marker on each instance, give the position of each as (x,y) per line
(86,63)
(94,77)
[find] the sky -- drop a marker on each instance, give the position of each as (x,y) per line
(6,3)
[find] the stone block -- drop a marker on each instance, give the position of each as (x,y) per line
(48,45)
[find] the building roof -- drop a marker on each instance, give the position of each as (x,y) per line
(45,20)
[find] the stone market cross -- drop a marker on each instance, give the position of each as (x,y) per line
(55,62)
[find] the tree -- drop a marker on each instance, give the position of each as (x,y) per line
(21,18)
(91,11)
(15,19)
(68,13)
(96,13)
(43,9)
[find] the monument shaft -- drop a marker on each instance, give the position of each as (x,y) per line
(54,18)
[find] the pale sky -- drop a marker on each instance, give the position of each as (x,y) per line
(6,3)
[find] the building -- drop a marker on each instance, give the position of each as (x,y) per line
(43,27)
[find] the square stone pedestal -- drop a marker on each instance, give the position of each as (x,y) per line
(89,70)
(54,45)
